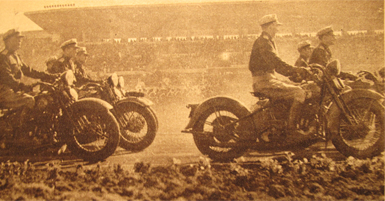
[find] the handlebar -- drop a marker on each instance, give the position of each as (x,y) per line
(317,67)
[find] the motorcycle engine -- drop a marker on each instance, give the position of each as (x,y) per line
(273,134)
(43,102)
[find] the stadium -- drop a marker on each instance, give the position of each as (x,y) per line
(189,43)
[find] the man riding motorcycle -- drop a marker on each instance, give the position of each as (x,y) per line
(80,70)
(12,69)
(322,54)
(265,63)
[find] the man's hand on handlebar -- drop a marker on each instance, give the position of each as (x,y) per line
(304,73)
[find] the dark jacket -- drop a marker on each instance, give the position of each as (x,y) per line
(81,75)
(12,69)
(264,58)
(63,64)
(322,55)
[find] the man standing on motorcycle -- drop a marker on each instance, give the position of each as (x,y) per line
(322,55)
(66,62)
(265,62)
(12,69)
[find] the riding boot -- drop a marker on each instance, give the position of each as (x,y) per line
(295,112)
(293,115)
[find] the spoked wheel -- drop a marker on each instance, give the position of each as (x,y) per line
(138,126)
(213,139)
(95,135)
(365,138)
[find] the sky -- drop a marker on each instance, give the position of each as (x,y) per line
(11,11)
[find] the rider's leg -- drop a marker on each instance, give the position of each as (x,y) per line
(295,110)
(285,90)
(13,100)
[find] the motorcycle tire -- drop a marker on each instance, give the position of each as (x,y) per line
(355,141)
(99,136)
(206,144)
(136,137)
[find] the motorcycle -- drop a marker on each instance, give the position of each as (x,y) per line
(353,119)
(60,120)
(375,83)
(138,122)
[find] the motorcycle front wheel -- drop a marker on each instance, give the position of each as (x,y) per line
(138,126)
(212,139)
(365,138)
(94,134)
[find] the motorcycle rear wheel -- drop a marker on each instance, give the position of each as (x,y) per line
(209,123)
(96,136)
(366,139)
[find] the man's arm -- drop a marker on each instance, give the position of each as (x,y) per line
(275,61)
(30,72)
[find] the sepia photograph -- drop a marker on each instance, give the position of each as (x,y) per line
(192,100)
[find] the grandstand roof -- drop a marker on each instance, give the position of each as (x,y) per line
(218,18)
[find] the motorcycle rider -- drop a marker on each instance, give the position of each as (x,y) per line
(322,54)
(49,63)
(265,63)
(12,70)
(80,70)
(65,62)
(305,49)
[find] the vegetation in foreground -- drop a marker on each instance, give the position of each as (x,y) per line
(316,178)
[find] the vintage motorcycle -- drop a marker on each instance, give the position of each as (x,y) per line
(138,122)
(224,129)
(367,80)
(59,120)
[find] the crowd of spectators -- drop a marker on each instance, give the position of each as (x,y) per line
(152,57)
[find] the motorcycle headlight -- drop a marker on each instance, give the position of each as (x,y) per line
(333,68)
(68,77)
(121,82)
(113,80)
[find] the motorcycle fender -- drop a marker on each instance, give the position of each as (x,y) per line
(93,103)
(214,101)
(144,102)
(334,112)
